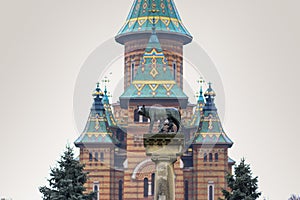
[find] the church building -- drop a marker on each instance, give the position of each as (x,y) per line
(111,145)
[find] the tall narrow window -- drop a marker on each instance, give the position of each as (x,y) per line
(96,190)
(174,70)
(96,156)
(210,157)
(216,157)
(136,116)
(146,186)
(101,156)
(186,190)
(132,71)
(210,192)
(152,183)
(90,156)
(120,190)
(205,157)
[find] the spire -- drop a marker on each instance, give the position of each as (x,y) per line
(165,15)
(107,106)
(154,79)
(210,99)
(200,97)
(105,96)
(210,130)
(199,107)
(97,129)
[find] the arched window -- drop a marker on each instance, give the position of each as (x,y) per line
(96,190)
(132,71)
(146,185)
(205,157)
(96,156)
(211,192)
(174,70)
(216,157)
(120,190)
(101,156)
(90,156)
(186,190)
(210,157)
(152,183)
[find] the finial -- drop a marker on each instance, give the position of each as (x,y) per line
(209,85)
(98,91)
(106,81)
(210,98)
(153,11)
(201,81)
(210,92)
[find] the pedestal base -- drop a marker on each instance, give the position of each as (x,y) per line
(164,150)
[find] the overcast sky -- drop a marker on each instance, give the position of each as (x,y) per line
(254,44)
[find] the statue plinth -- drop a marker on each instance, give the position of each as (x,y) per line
(164,150)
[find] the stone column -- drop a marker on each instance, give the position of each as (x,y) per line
(149,188)
(164,150)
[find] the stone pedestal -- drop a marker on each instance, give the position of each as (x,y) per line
(164,150)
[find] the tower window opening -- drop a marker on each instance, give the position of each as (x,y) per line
(101,156)
(205,157)
(120,190)
(146,186)
(136,116)
(90,156)
(216,157)
(186,190)
(96,156)
(210,192)
(132,71)
(152,183)
(210,157)
(174,70)
(96,190)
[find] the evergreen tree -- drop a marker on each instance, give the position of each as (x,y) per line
(242,185)
(294,197)
(67,180)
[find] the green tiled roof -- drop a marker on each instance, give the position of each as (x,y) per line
(153,79)
(165,14)
(210,130)
(97,128)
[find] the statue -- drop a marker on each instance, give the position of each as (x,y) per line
(167,116)
(167,127)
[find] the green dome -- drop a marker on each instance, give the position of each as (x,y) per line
(166,19)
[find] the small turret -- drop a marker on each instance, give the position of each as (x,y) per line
(97,128)
(210,130)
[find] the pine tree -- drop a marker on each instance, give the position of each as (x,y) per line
(242,185)
(67,180)
(294,197)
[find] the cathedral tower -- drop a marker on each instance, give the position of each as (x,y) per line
(111,145)
(97,151)
(135,33)
(210,153)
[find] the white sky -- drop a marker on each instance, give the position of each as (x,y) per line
(254,44)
